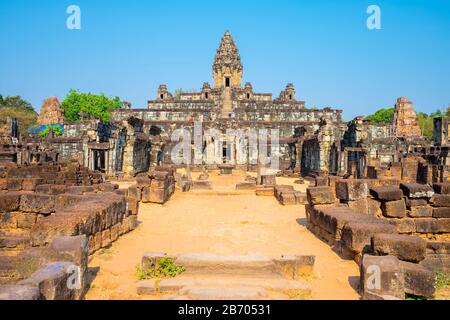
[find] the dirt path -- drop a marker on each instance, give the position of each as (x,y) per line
(222,225)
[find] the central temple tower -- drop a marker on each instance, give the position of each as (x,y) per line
(227,67)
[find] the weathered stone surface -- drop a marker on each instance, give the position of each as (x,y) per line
(107,187)
(201,185)
(374,207)
(404,226)
(143,180)
(404,247)
(13,184)
(266,191)
(135,193)
(79,190)
(440,200)
(320,195)
(382,276)
(437,262)
(419,281)
(442,188)
(431,225)
(394,209)
(30,184)
(51,189)
(300,197)
(360,205)
(420,212)
(351,189)
(416,190)
(357,236)
(288,198)
(410,203)
(321,181)
(38,203)
(146,194)
(9,202)
(52,281)
(443,212)
(388,193)
(18,292)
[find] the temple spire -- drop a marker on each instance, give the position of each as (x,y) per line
(227,67)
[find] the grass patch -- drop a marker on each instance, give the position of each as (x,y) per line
(163,268)
(442,280)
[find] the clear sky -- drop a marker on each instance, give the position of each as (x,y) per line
(127,48)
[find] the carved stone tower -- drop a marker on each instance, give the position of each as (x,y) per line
(406,123)
(227,67)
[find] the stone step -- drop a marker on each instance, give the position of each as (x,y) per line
(181,283)
(14,240)
(289,266)
(219,293)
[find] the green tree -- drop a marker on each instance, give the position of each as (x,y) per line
(382,116)
(55,128)
(87,106)
(16,107)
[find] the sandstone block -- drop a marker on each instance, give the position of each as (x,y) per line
(442,188)
(404,247)
(360,205)
(440,200)
(443,212)
(394,209)
(419,281)
(415,202)
(420,212)
(357,236)
(416,190)
(265,191)
(50,189)
(30,184)
(320,195)
(9,202)
(146,194)
(388,193)
(351,189)
(19,293)
(13,184)
(382,276)
(404,226)
(37,203)
(287,198)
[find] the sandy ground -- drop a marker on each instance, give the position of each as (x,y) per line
(235,224)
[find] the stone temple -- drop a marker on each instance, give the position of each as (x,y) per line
(376,194)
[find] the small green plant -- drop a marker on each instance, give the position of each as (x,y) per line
(163,268)
(442,280)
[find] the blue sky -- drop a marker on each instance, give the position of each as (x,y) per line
(127,48)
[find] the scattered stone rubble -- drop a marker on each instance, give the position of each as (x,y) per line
(400,228)
(48,210)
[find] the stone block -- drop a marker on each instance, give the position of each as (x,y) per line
(351,189)
(150,259)
(321,182)
(37,203)
(288,198)
(143,180)
(442,188)
(146,194)
(201,185)
(320,195)
(394,209)
(25,220)
(374,207)
(50,189)
(30,184)
(115,232)
(382,276)
(440,200)
(432,225)
(13,184)
(133,207)
(437,262)
(158,196)
(265,191)
(416,190)
(404,247)
(388,193)
(300,197)
(72,249)
(19,293)
(420,212)
(3,184)
(79,190)
(443,212)
(9,202)
(404,226)
(107,187)
(357,236)
(410,203)
(360,205)
(135,193)
(419,281)
(52,281)
(106,238)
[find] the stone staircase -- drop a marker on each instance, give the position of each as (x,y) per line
(210,277)
(227,104)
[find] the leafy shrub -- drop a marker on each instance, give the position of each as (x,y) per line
(164,268)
